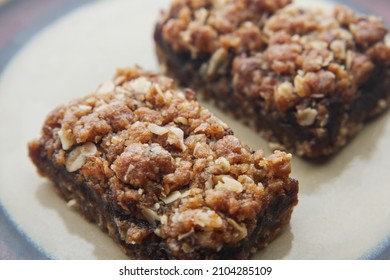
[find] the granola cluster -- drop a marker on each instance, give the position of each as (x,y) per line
(204,26)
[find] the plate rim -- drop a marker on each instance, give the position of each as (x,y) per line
(22,38)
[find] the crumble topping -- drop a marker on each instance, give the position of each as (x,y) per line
(204,26)
(287,64)
(160,157)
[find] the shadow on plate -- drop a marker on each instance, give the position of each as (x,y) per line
(77,228)
(279,248)
(361,150)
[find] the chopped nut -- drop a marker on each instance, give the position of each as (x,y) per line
(175,135)
(185,235)
(71,203)
(216,60)
(219,3)
(181,120)
(116,140)
(156,129)
(284,89)
(348,60)
(302,88)
(159,90)
(198,147)
(103,106)
(361,68)
(208,184)
(201,15)
(318,45)
(164,219)
(228,183)
(207,219)
(219,122)
(106,87)
(317,95)
(135,234)
(65,138)
(172,197)
(273,146)
(78,156)
(119,80)
(306,116)
(202,150)
(344,15)
(185,194)
(241,228)
(284,96)
(84,109)
(150,215)
(201,128)
(223,163)
(339,49)
(176,138)
(140,85)
(328,59)
(245,179)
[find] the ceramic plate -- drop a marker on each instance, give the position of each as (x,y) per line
(343,210)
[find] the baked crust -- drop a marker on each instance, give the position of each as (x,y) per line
(163,176)
(307,79)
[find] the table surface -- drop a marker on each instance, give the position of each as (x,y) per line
(20,20)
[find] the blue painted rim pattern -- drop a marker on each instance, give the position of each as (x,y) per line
(10,44)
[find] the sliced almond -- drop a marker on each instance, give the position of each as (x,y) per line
(78,156)
(158,130)
(175,134)
(164,219)
(185,193)
(245,179)
(240,228)
(71,203)
(140,85)
(181,120)
(150,215)
(65,138)
(172,197)
(84,109)
(207,219)
(306,117)
(229,183)
(218,57)
(301,87)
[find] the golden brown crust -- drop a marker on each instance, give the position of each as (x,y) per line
(204,26)
(155,169)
